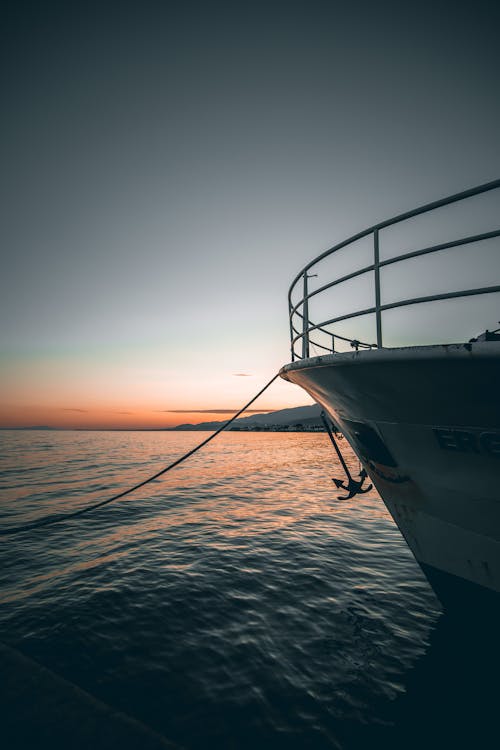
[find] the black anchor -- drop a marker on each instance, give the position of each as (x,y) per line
(353,486)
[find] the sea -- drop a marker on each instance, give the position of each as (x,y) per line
(239,601)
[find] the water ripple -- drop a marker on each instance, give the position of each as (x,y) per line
(236,603)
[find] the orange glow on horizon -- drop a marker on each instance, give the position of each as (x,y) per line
(75,393)
(99,418)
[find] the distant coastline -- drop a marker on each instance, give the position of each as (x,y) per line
(297,419)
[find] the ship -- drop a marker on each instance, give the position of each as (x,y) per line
(417,397)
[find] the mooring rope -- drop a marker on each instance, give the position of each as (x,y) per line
(51,520)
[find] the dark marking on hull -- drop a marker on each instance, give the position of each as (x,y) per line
(468,441)
(370,445)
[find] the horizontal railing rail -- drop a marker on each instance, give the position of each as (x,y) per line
(301,326)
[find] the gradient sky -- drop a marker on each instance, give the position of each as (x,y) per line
(168,169)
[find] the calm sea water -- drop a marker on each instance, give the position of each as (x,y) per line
(236,602)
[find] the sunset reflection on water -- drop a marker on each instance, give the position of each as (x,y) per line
(234,600)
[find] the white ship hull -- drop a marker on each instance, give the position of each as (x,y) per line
(425,423)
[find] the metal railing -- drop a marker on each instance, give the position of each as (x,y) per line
(299,311)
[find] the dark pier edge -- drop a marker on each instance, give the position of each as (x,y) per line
(39,709)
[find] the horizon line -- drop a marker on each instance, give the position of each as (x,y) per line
(133,428)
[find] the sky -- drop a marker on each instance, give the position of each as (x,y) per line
(169,168)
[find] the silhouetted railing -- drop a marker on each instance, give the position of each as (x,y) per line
(299,311)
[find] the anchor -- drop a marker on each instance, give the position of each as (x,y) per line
(353,486)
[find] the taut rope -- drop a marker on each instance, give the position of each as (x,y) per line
(51,520)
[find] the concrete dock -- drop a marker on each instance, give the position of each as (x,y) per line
(40,709)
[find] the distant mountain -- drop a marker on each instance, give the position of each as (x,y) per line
(306,415)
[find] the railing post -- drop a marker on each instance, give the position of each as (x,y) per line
(305,321)
(292,347)
(376,269)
